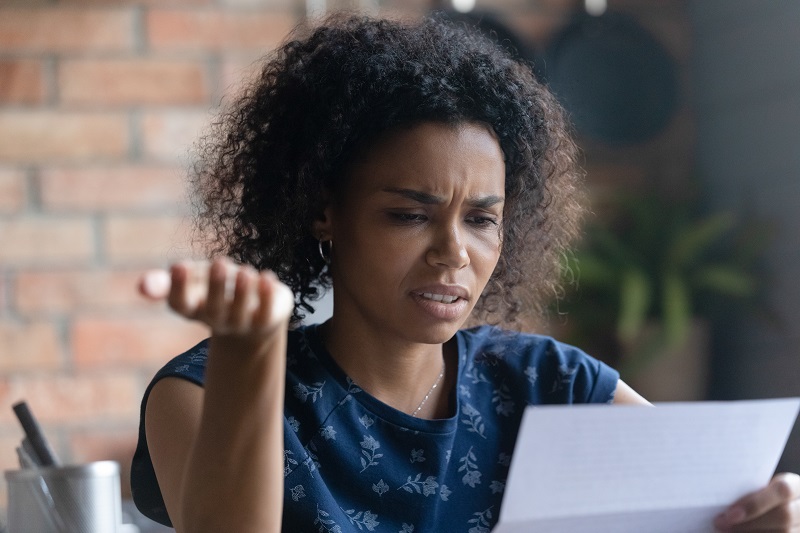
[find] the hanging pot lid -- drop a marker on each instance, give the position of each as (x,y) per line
(618,83)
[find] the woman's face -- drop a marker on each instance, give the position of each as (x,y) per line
(417,231)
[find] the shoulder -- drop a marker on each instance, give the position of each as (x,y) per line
(491,342)
(191,364)
(174,392)
(174,411)
(549,370)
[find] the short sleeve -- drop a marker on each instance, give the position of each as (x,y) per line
(569,375)
(191,366)
(542,369)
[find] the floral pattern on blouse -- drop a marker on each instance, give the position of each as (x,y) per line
(352,463)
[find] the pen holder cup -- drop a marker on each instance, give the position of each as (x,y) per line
(76,499)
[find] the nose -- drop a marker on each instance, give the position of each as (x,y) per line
(448,248)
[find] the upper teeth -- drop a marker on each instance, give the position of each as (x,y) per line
(439,297)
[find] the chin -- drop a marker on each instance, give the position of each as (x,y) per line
(434,333)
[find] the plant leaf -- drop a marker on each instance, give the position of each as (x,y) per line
(726,280)
(593,272)
(694,239)
(608,244)
(635,295)
(677,310)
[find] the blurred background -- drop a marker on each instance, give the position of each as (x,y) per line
(687,112)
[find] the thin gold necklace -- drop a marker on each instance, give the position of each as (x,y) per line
(430,391)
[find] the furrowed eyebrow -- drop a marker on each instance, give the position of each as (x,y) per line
(430,199)
(486,201)
(417,196)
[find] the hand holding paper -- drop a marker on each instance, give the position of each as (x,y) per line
(626,469)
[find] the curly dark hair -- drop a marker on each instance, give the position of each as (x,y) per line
(269,162)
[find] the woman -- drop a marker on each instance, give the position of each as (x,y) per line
(430,180)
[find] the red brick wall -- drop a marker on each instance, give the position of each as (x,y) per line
(99,103)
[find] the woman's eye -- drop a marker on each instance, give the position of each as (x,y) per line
(407,218)
(482,221)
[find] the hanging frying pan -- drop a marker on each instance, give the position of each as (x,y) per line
(618,83)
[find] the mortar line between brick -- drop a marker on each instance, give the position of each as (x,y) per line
(34,189)
(139,31)
(99,222)
(213,79)
(136,136)
(50,80)
(62,327)
(6,278)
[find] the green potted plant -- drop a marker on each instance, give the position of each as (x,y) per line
(643,279)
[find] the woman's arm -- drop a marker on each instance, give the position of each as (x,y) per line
(218,451)
(624,395)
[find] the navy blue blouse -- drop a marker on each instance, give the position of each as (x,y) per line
(353,463)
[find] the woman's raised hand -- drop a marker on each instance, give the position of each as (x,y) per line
(232,299)
(191,431)
(776,507)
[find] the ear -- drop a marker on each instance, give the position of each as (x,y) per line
(322,227)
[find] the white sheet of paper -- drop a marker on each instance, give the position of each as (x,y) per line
(628,469)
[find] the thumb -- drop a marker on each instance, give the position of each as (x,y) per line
(282,301)
(155,284)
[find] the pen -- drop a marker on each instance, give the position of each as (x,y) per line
(42,453)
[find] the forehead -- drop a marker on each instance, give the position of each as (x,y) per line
(433,157)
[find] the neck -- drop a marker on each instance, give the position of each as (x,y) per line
(397,372)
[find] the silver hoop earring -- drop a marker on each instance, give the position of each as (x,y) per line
(326,258)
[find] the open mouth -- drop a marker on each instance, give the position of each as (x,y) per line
(443,298)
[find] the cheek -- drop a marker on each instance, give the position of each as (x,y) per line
(380,257)
(484,258)
(490,261)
